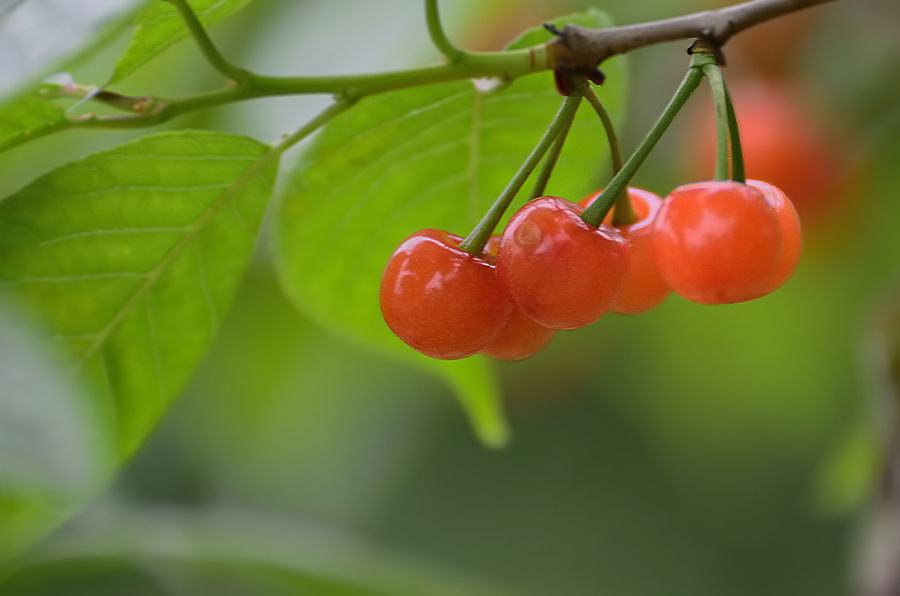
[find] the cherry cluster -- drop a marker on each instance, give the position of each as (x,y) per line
(712,242)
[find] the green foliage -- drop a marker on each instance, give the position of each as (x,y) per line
(26,116)
(132,255)
(166,552)
(53,439)
(434,156)
(160,25)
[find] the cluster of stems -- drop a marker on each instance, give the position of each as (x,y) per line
(703,65)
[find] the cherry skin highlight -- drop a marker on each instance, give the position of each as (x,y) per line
(521,337)
(717,242)
(441,300)
(791,232)
(644,286)
(560,271)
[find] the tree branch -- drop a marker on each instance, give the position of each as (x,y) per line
(579,48)
(576,49)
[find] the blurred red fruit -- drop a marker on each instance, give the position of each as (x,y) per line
(783,142)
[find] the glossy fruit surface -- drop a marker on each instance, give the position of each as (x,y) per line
(521,338)
(561,272)
(791,233)
(717,242)
(441,300)
(644,286)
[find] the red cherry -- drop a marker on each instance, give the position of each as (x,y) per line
(560,271)
(441,300)
(644,286)
(791,233)
(717,242)
(522,337)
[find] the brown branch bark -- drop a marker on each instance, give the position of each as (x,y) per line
(580,48)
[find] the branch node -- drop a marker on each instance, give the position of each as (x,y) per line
(553,29)
(706,45)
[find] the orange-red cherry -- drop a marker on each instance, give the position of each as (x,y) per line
(560,271)
(521,337)
(791,232)
(441,300)
(644,286)
(718,242)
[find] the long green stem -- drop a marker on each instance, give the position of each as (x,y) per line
(595,213)
(505,65)
(438,36)
(624,212)
(540,184)
(608,127)
(209,49)
(737,153)
(717,86)
(478,237)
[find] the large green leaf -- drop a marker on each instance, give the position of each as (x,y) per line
(132,255)
(231,552)
(427,157)
(54,441)
(160,25)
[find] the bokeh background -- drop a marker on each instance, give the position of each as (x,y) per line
(720,451)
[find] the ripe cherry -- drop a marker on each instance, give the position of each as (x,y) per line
(791,233)
(718,242)
(521,337)
(441,300)
(560,271)
(644,286)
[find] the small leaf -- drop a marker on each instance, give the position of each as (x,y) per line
(160,25)
(432,156)
(131,257)
(28,116)
(54,441)
(36,37)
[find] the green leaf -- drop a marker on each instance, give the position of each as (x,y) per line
(131,256)
(433,156)
(40,37)
(160,25)
(30,111)
(54,441)
(172,551)
(28,116)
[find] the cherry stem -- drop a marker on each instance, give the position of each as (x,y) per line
(206,45)
(624,213)
(737,153)
(595,213)
(540,184)
(437,34)
(717,87)
(481,233)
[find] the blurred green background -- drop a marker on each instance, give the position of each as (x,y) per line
(688,451)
